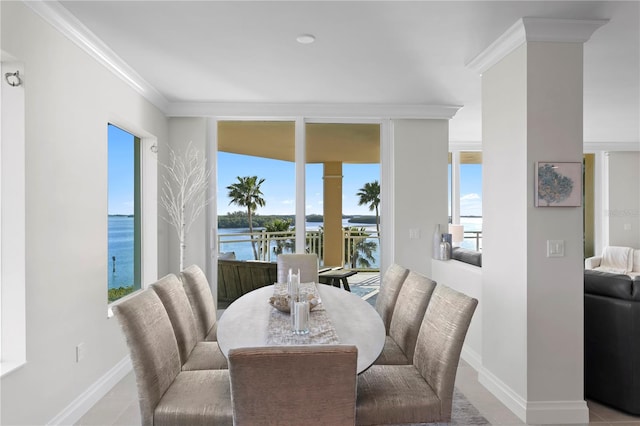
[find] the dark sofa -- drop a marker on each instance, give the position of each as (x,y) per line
(612,339)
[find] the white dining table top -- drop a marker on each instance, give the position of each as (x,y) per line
(244,323)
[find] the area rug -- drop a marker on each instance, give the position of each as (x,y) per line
(463,413)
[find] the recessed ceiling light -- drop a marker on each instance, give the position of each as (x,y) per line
(306,38)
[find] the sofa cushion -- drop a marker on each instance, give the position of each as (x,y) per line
(601,283)
(471,257)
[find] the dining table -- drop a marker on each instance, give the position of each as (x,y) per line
(340,318)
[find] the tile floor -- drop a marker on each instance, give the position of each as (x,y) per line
(120,406)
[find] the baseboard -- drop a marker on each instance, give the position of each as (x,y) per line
(535,412)
(504,393)
(83,403)
(557,412)
(472,357)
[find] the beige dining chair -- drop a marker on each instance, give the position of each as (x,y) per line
(202,303)
(422,392)
(412,302)
(194,355)
(293,385)
(389,288)
(307,263)
(167,395)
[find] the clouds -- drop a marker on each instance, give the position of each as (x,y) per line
(471,205)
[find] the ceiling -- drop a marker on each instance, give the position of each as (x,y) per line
(366,52)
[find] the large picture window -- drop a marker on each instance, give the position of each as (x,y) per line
(124,214)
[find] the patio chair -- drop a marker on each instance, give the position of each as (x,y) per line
(421,392)
(168,396)
(203,306)
(412,302)
(307,263)
(293,385)
(194,355)
(389,288)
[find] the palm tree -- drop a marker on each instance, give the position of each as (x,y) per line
(370,194)
(246,193)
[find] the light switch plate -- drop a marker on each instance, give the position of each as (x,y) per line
(555,248)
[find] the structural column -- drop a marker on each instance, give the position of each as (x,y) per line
(532,324)
(333,241)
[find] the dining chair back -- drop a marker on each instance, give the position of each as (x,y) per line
(412,302)
(202,303)
(152,347)
(307,263)
(440,342)
(293,385)
(166,395)
(390,286)
(422,392)
(194,355)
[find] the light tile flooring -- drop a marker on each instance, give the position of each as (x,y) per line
(120,406)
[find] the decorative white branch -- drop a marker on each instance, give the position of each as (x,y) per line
(184,188)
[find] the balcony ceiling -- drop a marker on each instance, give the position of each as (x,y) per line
(405,53)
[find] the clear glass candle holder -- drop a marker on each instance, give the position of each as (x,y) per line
(300,317)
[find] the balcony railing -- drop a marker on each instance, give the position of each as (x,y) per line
(362,248)
(475,237)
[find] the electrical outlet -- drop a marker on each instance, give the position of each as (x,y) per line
(414,233)
(81,352)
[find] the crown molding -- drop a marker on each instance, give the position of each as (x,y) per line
(359,111)
(611,146)
(66,23)
(530,29)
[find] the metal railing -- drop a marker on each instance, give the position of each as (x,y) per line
(362,248)
(476,237)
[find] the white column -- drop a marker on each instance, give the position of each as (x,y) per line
(532,325)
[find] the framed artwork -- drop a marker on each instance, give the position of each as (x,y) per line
(558,184)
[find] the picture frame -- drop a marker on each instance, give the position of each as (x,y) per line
(558,184)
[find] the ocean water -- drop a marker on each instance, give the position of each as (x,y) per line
(120,247)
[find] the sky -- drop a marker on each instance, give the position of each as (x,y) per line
(471,190)
(279,185)
(121,162)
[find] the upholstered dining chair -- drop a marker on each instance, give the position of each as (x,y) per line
(194,355)
(412,302)
(294,385)
(203,306)
(307,263)
(392,281)
(421,392)
(168,396)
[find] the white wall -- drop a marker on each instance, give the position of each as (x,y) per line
(183,131)
(420,188)
(466,279)
(504,208)
(624,199)
(69,100)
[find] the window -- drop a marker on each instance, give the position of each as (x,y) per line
(124,214)
(465,195)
